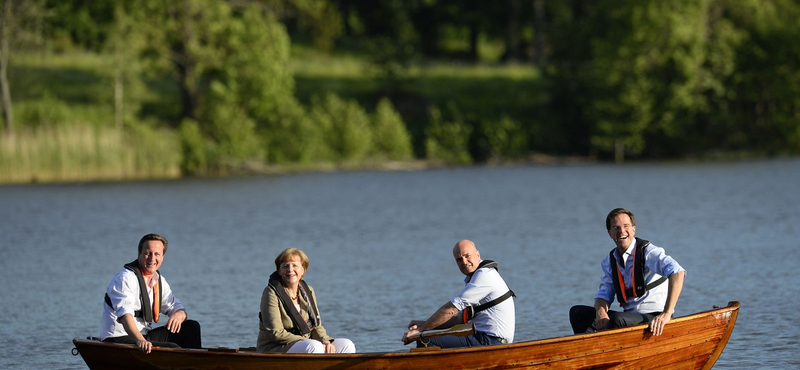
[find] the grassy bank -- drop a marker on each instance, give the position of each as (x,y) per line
(64,111)
(485,90)
(84,152)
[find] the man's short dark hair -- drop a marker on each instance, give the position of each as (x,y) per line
(612,214)
(152,237)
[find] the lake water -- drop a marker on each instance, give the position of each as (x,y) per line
(380,248)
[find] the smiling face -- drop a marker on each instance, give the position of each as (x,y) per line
(151,256)
(621,230)
(467,257)
(291,270)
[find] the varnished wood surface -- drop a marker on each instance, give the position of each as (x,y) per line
(689,342)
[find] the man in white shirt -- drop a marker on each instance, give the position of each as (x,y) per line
(128,314)
(636,272)
(485,297)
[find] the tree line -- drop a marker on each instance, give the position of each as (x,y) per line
(617,79)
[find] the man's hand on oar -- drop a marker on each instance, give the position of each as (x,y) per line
(460,330)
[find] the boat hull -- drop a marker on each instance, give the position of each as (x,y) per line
(689,342)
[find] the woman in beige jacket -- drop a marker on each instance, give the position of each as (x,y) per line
(289,320)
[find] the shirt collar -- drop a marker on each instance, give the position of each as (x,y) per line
(153,279)
(469,277)
(628,251)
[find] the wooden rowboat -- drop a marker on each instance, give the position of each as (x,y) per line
(690,342)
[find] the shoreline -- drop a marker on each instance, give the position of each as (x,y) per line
(245,169)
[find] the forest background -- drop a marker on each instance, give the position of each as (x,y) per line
(116,89)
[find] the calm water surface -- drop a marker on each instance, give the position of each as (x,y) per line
(380,248)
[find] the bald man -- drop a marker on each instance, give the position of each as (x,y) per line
(485,301)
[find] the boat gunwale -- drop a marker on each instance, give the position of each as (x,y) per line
(731,309)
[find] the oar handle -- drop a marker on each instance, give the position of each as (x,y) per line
(460,330)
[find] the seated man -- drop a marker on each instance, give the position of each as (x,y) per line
(633,260)
(486,296)
(128,315)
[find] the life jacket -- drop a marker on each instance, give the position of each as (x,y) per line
(301,327)
(469,312)
(146,312)
(638,287)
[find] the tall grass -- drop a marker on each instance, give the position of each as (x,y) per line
(84,152)
(65,113)
(65,130)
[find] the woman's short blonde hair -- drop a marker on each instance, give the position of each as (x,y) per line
(289,253)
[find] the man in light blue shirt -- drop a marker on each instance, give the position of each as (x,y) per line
(646,281)
(485,295)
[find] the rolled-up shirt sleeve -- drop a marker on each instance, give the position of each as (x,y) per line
(658,261)
(124,295)
(479,287)
(606,290)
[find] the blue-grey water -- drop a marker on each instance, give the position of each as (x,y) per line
(380,248)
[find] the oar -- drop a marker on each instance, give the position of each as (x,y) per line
(460,330)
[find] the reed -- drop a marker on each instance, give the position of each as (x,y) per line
(85,152)
(64,112)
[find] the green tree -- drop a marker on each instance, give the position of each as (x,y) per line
(229,126)
(6,26)
(293,136)
(195,149)
(390,38)
(346,128)
(123,43)
(317,21)
(447,136)
(392,139)
(760,108)
(321,20)
(184,43)
(645,71)
(83,23)
(20,30)
(505,137)
(649,77)
(230,66)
